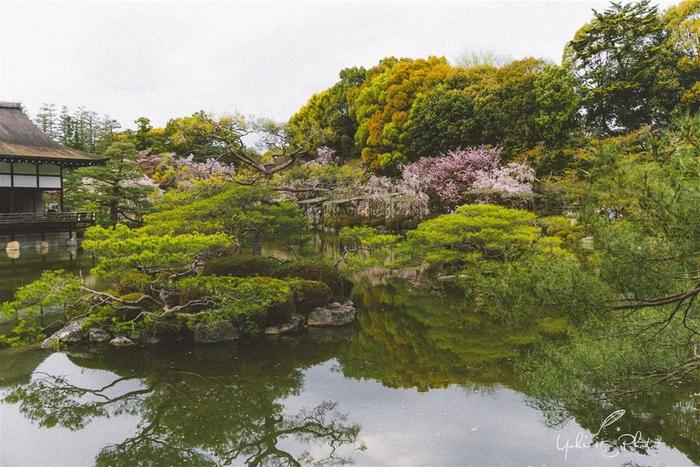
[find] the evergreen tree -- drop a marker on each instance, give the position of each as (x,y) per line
(47,120)
(118,190)
(626,75)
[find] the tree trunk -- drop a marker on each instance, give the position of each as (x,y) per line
(113,213)
(257,245)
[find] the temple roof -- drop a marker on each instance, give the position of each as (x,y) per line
(22,141)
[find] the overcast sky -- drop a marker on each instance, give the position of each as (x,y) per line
(163,59)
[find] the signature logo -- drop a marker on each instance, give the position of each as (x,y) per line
(624,441)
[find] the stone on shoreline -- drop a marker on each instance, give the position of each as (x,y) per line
(71,333)
(98,335)
(121,341)
(335,314)
(295,323)
(222,331)
(51,343)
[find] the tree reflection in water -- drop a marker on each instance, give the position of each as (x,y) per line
(223,405)
(428,340)
(224,412)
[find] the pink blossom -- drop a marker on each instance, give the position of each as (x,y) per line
(450,176)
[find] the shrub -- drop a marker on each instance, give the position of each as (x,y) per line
(309,294)
(317,271)
(240,265)
(132,282)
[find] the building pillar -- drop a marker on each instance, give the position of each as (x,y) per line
(60,208)
(12,187)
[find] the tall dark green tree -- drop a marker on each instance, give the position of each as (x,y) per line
(625,72)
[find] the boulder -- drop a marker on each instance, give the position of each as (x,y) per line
(294,324)
(51,343)
(98,335)
(121,341)
(211,333)
(71,333)
(335,314)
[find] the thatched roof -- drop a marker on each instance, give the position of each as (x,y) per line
(22,141)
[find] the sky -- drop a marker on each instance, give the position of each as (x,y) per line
(165,59)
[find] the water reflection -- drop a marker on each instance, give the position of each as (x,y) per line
(197,407)
(421,380)
(25,258)
(431,340)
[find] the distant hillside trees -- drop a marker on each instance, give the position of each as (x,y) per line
(630,66)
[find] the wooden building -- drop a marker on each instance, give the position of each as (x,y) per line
(32,164)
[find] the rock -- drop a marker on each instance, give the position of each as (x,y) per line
(98,335)
(222,331)
(150,339)
(51,343)
(121,341)
(68,334)
(335,314)
(446,278)
(293,325)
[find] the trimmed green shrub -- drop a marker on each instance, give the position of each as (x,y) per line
(316,271)
(309,294)
(241,266)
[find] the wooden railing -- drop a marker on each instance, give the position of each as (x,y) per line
(50,218)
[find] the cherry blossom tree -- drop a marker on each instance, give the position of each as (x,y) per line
(451,176)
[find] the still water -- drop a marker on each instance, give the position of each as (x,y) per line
(20,267)
(417,381)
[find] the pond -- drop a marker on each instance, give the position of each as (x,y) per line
(417,380)
(20,267)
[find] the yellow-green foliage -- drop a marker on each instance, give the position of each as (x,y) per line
(237,297)
(122,250)
(241,265)
(245,213)
(471,232)
(382,107)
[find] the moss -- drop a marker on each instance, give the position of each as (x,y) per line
(132,297)
(309,294)
(241,266)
